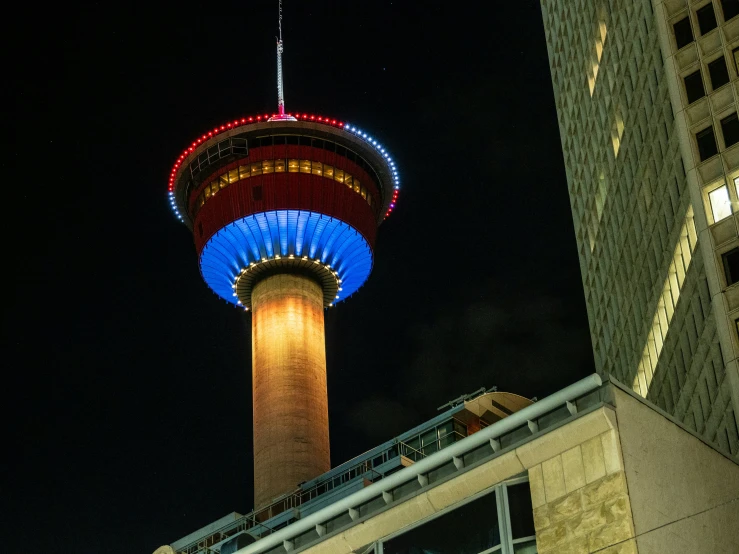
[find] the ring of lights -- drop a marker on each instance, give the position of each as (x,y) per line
(287,238)
(391,183)
(321,273)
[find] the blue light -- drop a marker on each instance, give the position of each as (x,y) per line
(283,233)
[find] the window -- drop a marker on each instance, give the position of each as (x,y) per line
(683,32)
(694,86)
(706,143)
(706,18)
(730,8)
(718,72)
(730,129)
(720,203)
(731,266)
(500,521)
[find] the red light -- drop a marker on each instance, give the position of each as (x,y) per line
(259,117)
(210,134)
(251,119)
(341,124)
(313,117)
(333,121)
(228,125)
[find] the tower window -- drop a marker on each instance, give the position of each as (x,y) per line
(730,129)
(694,86)
(706,18)
(706,143)
(718,72)
(731,266)
(683,32)
(720,203)
(730,8)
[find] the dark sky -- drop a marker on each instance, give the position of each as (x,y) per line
(126,412)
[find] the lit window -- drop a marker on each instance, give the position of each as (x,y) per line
(720,203)
(280,166)
(339,175)
(348,180)
(244,171)
(233,175)
(305,166)
(293,166)
(328,171)
(268,166)
(256,168)
(317,168)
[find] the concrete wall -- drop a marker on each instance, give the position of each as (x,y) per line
(581,501)
(437,498)
(684,494)
(289,393)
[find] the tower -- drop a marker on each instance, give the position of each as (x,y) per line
(645,92)
(284,211)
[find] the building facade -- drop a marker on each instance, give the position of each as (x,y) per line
(646,98)
(591,468)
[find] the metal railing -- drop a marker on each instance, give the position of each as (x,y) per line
(514,429)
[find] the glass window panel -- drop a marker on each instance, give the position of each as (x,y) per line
(469,529)
(460,429)
(293,166)
(694,86)
(706,143)
(339,175)
(736,185)
(357,186)
(207,191)
(233,175)
(256,168)
(317,168)
(363,192)
(214,188)
(305,166)
(328,171)
(268,166)
(521,511)
(348,180)
(223,180)
(279,140)
(369,199)
(244,171)
(683,32)
(720,203)
(706,18)
(718,72)
(292,140)
(280,165)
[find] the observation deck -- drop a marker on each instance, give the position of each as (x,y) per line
(265,197)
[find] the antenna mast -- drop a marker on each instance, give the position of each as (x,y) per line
(280,89)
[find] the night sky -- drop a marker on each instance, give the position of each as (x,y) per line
(126,405)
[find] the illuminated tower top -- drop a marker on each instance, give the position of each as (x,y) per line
(284,210)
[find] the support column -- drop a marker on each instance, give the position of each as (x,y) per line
(290,399)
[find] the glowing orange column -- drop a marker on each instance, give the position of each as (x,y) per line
(289,391)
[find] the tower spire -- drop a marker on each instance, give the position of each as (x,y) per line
(280,89)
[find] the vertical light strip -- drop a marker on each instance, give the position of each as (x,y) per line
(666,306)
(600,39)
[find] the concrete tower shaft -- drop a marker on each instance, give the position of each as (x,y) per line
(290,399)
